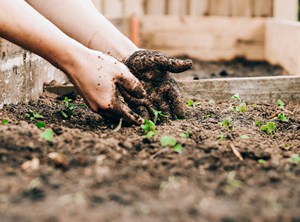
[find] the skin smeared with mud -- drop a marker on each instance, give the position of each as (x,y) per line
(153,69)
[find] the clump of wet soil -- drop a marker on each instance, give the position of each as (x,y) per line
(238,67)
(90,172)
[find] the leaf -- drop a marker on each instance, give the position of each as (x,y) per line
(157,115)
(186,135)
(40,124)
(150,134)
(269,128)
(295,159)
(242,108)
(282,117)
(168,141)
(261,161)
(5,122)
(64,114)
(258,123)
(236,96)
(280,104)
(83,105)
(148,126)
(178,148)
(47,135)
(190,103)
(245,137)
(36,115)
(67,102)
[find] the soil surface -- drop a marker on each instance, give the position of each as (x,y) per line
(228,69)
(89,172)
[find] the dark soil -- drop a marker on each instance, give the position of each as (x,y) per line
(228,69)
(96,174)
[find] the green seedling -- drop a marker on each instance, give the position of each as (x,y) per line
(281,117)
(221,137)
(186,135)
(259,123)
(47,135)
(245,137)
(149,129)
(157,115)
(212,101)
(261,161)
(171,142)
(69,107)
(242,107)
(40,124)
(83,105)
(269,128)
(280,104)
(236,96)
(190,103)
(32,115)
(5,122)
(227,123)
(295,159)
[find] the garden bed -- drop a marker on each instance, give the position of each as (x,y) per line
(88,171)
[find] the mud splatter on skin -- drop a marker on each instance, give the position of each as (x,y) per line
(152,69)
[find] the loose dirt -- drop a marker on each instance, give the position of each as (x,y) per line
(91,173)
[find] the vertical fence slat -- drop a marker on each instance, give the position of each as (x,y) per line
(154,7)
(112,8)
(177,7)
(241,8)
(263,8)
(220,7)
(198,7)
(284,10)
(133,7)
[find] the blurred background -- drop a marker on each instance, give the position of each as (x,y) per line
(284,9)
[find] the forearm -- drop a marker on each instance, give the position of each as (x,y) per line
(81,21)
(22,25)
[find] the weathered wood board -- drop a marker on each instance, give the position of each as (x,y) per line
(205,38)
(257,90)
(283,44)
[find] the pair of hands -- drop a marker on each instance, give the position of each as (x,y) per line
(130,90)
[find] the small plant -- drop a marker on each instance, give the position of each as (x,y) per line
(242,107)
(157,115)
(280,104)
(69,107)
(221,137)
(258,123)
(190,103)
(186,135)
(261,161)
(47,135)
(269,128)
(295,159)
(281,117)
(227,123)
(5,122)
(149,129)
(245,137)
(33,115)
(40,124)
(172,142)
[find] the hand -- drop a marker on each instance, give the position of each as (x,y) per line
(152,69)
(98,77)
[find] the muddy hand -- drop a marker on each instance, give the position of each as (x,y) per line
(152,69)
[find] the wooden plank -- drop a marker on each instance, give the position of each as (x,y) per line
(283,44)
(113,8)
(241,8)
(263,8)
(205,38)
(133,7)
(198,7)
(286,10)
(154,7)
(220,7)
(177,7)
(256,90)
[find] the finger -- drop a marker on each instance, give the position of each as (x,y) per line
(132,85)
(145,60)
(175,99)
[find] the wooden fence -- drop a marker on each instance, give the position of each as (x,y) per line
(250,8)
